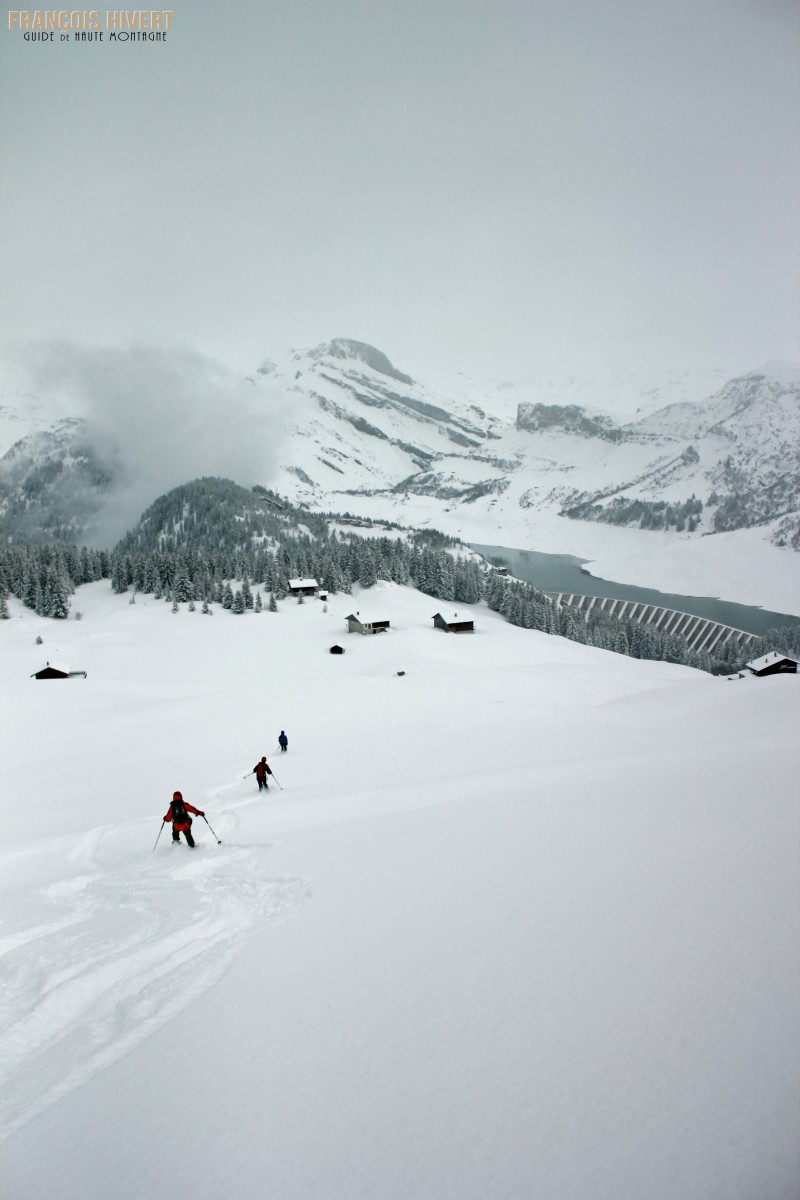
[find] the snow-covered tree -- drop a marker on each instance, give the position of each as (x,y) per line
(55,600)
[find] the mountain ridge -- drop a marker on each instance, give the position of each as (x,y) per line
(348,429)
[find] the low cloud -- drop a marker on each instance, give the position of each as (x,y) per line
(159,417)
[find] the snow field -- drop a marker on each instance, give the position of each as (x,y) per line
(522,922)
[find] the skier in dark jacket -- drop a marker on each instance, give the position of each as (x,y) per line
(283,740)
(178,813)
(262,770)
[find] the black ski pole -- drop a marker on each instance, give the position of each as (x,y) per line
(208,823)
(161,830)
(273,776)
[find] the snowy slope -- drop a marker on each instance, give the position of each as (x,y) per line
(521,922)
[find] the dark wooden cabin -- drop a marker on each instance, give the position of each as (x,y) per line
(453,625)
(51,672)
(774,663)
(303,587)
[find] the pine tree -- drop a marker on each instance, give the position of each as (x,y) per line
(367,575)
(181,589)
(30,586)
(383,568)
(119,582)
(443,577)
(150,581)
(86,571)
(55,601)
(139,573)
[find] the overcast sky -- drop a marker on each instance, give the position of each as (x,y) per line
(490,186)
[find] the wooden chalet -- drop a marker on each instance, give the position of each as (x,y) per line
(453,625)
(773,663)
(303,587)
(358,624)
(53,672)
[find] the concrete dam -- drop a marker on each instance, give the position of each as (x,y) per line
(700,633)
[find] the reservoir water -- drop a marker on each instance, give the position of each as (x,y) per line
(565,573)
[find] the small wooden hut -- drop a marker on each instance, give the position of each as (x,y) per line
(56,672)
(453,625)
(303,587)
(358,624)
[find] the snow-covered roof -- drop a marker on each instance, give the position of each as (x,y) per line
(303,583)
(61,667)
(767,660)
(362,620)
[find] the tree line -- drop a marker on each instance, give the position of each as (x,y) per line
(214,543)
(44,577)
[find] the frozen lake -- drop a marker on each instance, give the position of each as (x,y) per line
(565,573)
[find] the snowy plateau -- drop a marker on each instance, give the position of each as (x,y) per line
(695,489)
(517,918)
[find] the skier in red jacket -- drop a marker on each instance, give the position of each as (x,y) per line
(262,770)
(178,813)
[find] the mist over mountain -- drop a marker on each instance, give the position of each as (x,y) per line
(340,427)
(141,420)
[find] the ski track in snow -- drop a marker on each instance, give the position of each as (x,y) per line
(88,998)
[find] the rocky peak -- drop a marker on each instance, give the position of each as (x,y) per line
(371,357)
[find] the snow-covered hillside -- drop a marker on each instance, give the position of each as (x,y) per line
(520,922)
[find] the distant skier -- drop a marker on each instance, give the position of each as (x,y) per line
(262,770)
(284,741)
(178,813)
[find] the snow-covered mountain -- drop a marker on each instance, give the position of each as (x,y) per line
(537,464)
(360,431)
(54,481)
(739,448)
